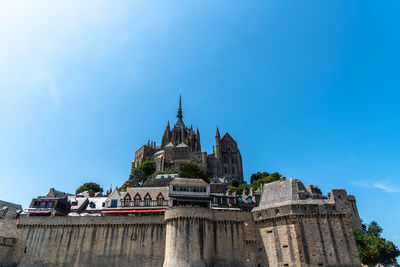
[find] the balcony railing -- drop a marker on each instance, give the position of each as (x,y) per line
(142,203)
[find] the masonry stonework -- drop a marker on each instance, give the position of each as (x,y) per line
(292,226)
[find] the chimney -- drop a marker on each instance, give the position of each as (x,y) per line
(91,193)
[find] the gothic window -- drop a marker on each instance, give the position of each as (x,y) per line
(137,199)
(127,200)
(160,200)
(147,199)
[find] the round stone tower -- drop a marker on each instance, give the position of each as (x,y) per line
(188,237)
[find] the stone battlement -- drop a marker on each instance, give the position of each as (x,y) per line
(38,221)
(206,214)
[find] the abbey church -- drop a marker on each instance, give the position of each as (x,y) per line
(181,144)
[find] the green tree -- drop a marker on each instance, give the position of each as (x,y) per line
(124,185)
(257,176)
(374,229)
(240,189)
(191,170)
(261,179)
(374,249)
(143,171)
(86,186)
(147,167)
(138,174)
(235,182)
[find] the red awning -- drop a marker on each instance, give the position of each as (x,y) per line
(131,211)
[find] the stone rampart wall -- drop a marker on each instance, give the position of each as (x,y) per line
(93,241)
(203,237)
(309,240)
(207,214)
(11,242)
(33,221)
(182,237)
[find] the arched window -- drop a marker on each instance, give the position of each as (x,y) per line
(137,199)
(147,200)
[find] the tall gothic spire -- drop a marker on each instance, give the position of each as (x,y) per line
(179,115)
(217,134)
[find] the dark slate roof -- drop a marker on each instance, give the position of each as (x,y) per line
(188,182)
(56,194)
(288,191)
(11,206)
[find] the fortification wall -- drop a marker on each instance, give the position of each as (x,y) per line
(93,241)
(11,242)
(309,240)
(182,237)
(202,237)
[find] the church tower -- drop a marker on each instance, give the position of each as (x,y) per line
(179,115)
(180,133)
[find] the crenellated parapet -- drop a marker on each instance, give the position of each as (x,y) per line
(38,221)
(207,215)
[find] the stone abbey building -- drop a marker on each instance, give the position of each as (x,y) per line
(181,144)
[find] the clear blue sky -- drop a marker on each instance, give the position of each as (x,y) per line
(307,88)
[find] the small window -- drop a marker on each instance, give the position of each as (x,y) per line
(114,203)
(147,199)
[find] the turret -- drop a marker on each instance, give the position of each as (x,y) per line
(217,144)
(166,136)
(198,140)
